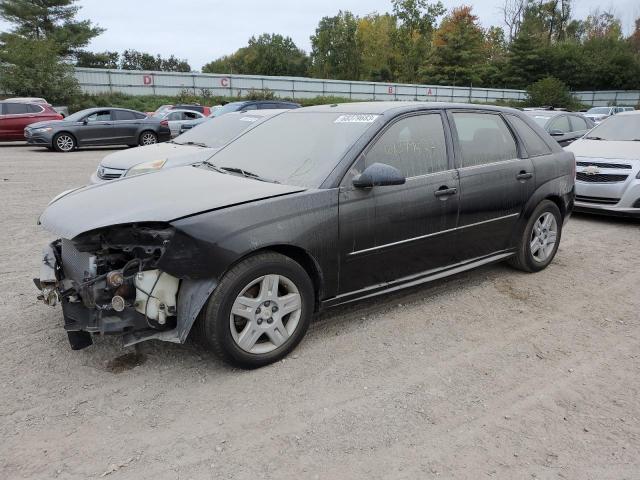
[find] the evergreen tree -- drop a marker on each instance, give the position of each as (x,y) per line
(52,20)
(458,50)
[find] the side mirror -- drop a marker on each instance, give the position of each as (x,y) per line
(556,133)
(85,121)
(379,175)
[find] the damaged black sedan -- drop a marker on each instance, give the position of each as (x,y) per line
(317,207)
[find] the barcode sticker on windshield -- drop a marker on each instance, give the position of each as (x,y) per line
(356,119)
(248,119)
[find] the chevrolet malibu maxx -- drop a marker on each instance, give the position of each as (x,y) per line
(317,207)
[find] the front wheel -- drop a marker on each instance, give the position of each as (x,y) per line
(541,238)
(64,142)
(148,138)
(259,312)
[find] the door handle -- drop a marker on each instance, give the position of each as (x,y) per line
(445,191)
(524,175)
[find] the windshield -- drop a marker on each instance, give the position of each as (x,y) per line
(618,128)
(228,108)
(218,132)
(600,110)
(295,148)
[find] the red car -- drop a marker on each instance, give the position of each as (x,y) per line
(15,116)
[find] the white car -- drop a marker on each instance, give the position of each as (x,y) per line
(177,118)
(195,146)
(598,114)
(608,167)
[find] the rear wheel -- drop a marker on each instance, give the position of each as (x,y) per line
(64,142)
(259,312)
(148,138)
(540,239)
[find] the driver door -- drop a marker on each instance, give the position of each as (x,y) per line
(391,232)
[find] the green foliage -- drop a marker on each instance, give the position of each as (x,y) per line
(551,92)
(265,94)
(269,54)
(135,60)
(98,60)
(33,68)
(52,20)
(334,49)
(131,60)
(416,23)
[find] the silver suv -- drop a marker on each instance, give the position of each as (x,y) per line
(608,167)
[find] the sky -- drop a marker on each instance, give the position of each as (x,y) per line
(203,30)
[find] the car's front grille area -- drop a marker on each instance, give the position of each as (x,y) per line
(105,173)
(599,200)
(604,165)
(600,178)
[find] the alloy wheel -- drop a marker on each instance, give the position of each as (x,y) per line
(148,138)
(65,143)
(265,314)
(543,237)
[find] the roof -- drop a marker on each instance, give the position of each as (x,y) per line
(388,106)
(545,113)
(260,113)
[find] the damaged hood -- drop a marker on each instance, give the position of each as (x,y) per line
(174,153)
(155,197)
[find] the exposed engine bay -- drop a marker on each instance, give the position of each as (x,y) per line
(108,282)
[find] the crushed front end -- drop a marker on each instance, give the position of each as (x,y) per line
(108,282)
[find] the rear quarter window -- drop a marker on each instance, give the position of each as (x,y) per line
(533,144)
(124,115)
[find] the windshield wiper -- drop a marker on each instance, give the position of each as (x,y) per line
(212,167)
(247,174)
(594,138)
(197,144)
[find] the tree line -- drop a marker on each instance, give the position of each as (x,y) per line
(422,42)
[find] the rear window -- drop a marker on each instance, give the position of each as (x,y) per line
(534,145)
(484,138)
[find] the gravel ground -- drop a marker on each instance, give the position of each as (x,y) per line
(493,373)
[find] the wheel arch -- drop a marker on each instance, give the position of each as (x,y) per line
(299,255)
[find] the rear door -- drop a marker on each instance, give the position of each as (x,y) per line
(495,182)
(97,129)
(126,125)
(391,232)
(16,116)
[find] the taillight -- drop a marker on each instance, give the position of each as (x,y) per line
(164,123)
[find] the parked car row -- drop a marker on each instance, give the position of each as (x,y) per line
(259,226)
(34,120)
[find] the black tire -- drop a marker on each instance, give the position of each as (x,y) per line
(64,142)
(524,259)
(213,327)
(147,133)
